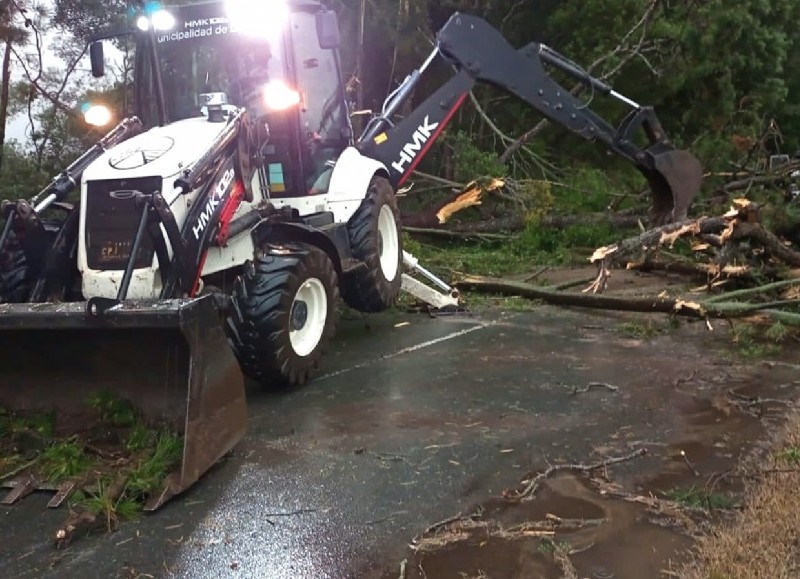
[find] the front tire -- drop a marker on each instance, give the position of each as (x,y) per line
(375,239)
(283,314)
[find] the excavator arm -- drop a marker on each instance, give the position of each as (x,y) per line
(479,53)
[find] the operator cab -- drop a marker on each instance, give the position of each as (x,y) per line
(278,58)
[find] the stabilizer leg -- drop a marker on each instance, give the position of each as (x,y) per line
(425,293)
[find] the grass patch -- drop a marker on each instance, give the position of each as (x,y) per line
(12,426)
(10,463)
(754,342)
(64,459)
(644,329)
(550,546)
(482,301)
(113,411)
(140,438)
(117,459)
(535,246)
(789,456)
(778,333)
(100,502)
(151,471)
(699,498)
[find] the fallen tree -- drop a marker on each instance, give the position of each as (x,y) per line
(720,239)
(702,309)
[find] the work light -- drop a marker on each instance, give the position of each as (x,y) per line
(160,19)
(96,115)
(264,18)
(278,96)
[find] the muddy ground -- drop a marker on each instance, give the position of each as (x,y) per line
(417,419)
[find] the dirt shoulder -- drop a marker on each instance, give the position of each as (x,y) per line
(763,539)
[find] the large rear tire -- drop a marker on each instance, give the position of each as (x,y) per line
(15,282)
(375,239)
(58,261)
(283,314)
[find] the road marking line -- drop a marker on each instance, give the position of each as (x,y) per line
(435,341)
(409,349)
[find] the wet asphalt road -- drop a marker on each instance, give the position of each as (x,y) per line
(407,425)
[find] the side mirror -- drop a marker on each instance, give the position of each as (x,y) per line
(97,58)
(328,29)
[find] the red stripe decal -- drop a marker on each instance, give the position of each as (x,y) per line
(225,217)
(442,125)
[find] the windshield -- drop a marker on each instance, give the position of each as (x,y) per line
(200,54)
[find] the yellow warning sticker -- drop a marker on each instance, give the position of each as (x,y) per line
(381,138)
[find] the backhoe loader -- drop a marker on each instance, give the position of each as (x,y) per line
(209,236)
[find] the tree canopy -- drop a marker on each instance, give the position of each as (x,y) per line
(718,74)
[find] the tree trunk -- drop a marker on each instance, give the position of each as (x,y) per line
(4,89)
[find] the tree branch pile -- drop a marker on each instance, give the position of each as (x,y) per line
(732,247)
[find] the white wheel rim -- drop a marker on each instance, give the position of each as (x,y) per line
(388,240)
(307,316)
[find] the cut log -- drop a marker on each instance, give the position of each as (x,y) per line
(673,306)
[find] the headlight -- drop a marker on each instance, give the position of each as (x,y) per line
(161,20)
(96,115)
(279,97)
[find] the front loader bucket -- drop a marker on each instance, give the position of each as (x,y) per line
(675,180)
(170,359)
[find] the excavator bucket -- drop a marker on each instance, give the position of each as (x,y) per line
(675,180)
(170,360)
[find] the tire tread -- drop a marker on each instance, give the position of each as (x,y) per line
(258,318)
(368,291)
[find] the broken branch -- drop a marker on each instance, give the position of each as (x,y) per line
(533,485)
(576,390)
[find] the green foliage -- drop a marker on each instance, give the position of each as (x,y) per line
(647,328)
(41,424)
(789,456)
(561,246)
(83,18)
(63,460)
(117,466)
(113,410)
(472,161)
(700,498)
(778,332)
(150,473)
(522,253)
(100,502)
(20,177)
(754,343)
(592,189)
(549,546)
(140,438)
(725,73)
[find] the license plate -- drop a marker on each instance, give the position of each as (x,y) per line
(115,251)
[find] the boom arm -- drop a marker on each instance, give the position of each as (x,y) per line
(480,53)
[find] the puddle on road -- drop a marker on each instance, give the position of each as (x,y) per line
(479,557)
(596,537)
